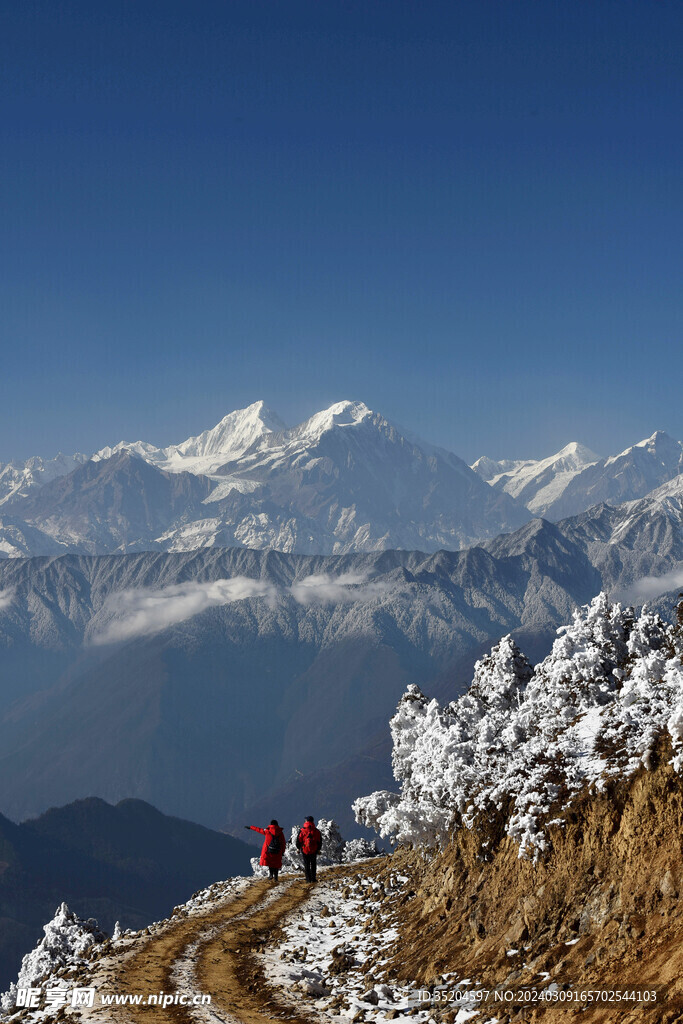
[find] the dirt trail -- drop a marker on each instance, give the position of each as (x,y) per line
(213,953)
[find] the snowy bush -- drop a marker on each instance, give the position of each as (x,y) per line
(333,844)
(522,740)
(358,849)
(67,941)
(257,868)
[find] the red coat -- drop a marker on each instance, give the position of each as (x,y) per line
(309,839)
(271,860)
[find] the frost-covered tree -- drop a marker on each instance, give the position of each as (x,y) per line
(438,752)
(522,741)
(333,845)
(66,943)
(359,849)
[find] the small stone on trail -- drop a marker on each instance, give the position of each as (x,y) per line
(370,997)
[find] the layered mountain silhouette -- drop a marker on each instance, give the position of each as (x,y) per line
(127,863)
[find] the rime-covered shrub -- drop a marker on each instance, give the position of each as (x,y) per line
(359,849)
(66,943)
(333,845)
(522,741)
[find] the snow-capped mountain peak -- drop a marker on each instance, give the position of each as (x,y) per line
(577,451)
(208,451)
(537,482)
(659,444)
(341,414)
(575,479)
(233,435)
(489,469)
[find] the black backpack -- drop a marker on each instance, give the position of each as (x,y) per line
(273,846)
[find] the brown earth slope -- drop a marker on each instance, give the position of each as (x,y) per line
(602,911)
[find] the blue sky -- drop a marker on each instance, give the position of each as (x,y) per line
(466,214)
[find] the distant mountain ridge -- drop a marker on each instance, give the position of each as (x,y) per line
(180,709)
(576,479)
(126,862)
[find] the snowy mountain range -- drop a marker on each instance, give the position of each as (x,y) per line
(344,480)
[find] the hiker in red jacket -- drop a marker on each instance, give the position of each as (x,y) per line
(309,842)
(273,847)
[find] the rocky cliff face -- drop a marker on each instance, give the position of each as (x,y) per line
(602,910)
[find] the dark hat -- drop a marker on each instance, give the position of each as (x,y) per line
(309,818)
(273,822)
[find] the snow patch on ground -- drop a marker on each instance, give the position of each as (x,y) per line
(331,958)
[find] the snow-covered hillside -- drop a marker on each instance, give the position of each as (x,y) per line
(522,742)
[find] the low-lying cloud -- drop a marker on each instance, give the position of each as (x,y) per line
(6,598)
(132,613)
(142,612)
(651,586)
(323,589)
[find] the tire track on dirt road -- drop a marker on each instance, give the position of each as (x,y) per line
(214,953)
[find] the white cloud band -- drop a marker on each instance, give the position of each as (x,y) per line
(650,587)
(131,613)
